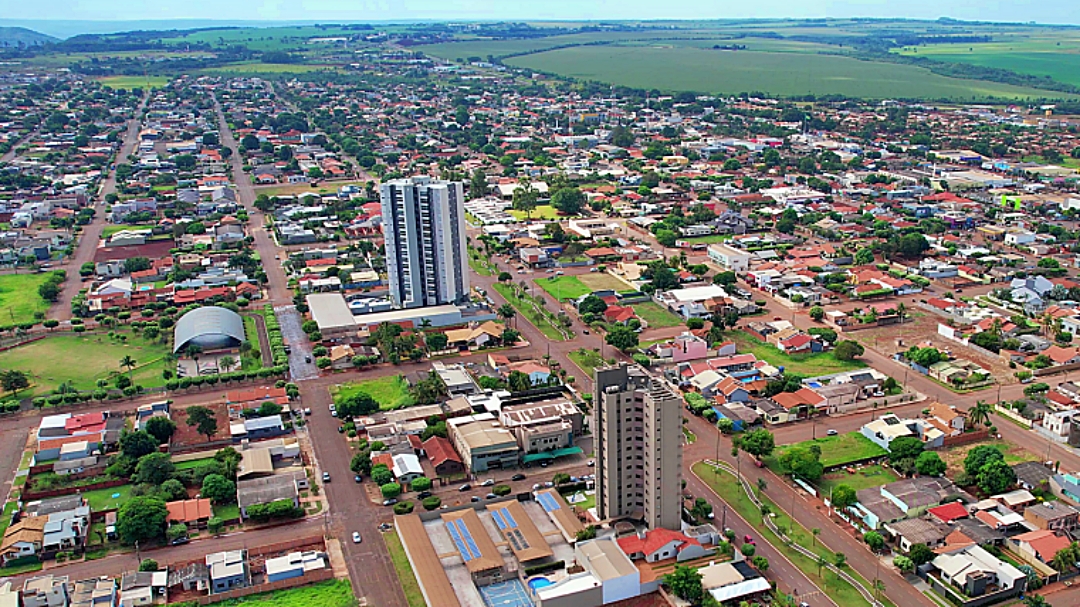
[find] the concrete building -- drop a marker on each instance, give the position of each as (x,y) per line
(228,570)
(483,444)
(294,564)
(45,591)
(730,258)
(637,426)
(424,228)
(332,314)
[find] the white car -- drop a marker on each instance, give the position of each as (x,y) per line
(356,537)
(489,482)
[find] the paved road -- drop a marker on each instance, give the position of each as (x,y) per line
(91,233)
(10,154)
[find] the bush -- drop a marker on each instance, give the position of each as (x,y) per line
(543,568)
(401,508)
(390,490)
(431,503)
(420,484)
(501,490)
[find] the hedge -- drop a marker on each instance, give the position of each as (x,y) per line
(543,568)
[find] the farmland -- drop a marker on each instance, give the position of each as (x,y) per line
(133,82)
(269,68)
(1054,57)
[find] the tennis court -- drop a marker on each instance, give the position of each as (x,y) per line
(510,593)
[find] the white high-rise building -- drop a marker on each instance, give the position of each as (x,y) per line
(424,227)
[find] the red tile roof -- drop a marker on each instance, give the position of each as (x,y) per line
(440,450)
(949,512)
(654,540)
(189,511)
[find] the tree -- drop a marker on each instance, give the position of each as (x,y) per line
(702,508)
(760,563)
(229,459)
(912,245)
(924,356)
(154,469)
(227,363)
(995,476)
(803,462)
(759,442)
(592,305)
(930,464)
(622,337)
(920,554)
(848,350)
(724,278)
(839,559)
(978,457)
(431,502)
(1035,600)
(361,463)
(864,256)
(478,184)
(176,531)
(506,312)
(137,444)
(568,200)
(161,428)
(219,489)
(390,490)
(203,420)
(380,474)
(420,484)
(874,540)
(588,533)
(49,291)
(525,197)
(817,313)
(843,496)
(685,583)
(904,447)
(903,563)
(980,412)
(148,565)
(357,404)
(173,490)
(13,380)
(141,518)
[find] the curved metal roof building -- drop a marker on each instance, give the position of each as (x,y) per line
(210,327)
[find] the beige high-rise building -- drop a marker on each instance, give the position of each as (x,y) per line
(637,434)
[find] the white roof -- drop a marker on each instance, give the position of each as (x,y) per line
(696,293)
(706,379)
(734,591)
(568,586)
(407,463)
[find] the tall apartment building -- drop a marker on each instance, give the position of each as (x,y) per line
(424,227)
(637,434)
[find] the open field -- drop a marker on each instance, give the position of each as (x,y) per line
(19,297)
(655,315)
(103,499)
(544,211)
(563,287)
(726,486)
(331,593)
(865,477)
(1053,56)
(391,391)
(675,68)
(405,574)
(954,456)
(543,320)
(295,189)
(260,39)
(84,359)
(821,363)
(588,360)
(134,82)
(835,450)
(602,281)
(269,68)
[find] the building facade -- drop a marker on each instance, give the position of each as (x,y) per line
(637,426)
(424,228)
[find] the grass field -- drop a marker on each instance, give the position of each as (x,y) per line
(192,463)
(822,363)
(656,316)
(252,360)
(1014,454)
(134,82)
(102,499)
(676,68)
(227,512)
(710,239)
(269,68)
(542,320)
(726,486)
(1052,56)
(391,391)
(19,297)
(84,359)
(563,287)
(295,189)
(602,281)
(109,230)
(587,359)
(405,574)
(865,477)
(835,450)
(260,39)
(544,211)
(331,593)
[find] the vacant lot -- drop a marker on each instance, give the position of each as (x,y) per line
(19,297)
(821,363)
(323,188)
(602,281)
(84,359)
(134,82)
(563,287)
(391,392)
(835,450)
(655,315)
(1013,453)
(107,499)
(588,360)
(544,211)
(865,477)
(187,436)
(331,593)
(676,68)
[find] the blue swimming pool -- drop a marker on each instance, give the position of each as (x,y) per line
(539,582)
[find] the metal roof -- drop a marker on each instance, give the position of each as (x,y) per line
(205,321)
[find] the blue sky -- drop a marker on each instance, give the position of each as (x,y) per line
(1046,11)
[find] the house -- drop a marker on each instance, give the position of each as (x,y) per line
(730,258)
(1030,475)
(257,428)
(406,467)
(95,592)
(228,570)
(885,429)
(661,544)
(138,588)
(1042,544)
(270,489)
(907,498)
(974,571)
(1052,516)
(45,591)
(909,532)
(681,348)
(24,538)
(341,357)
(442,456)
(193,513)
(294,565)
(66,530)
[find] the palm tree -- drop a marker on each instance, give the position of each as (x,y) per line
(130,363)
(1035,600)
(815,532)
(821,562)
(1063,560)
(226,363)
(879,587)
(980,412)
(901,309)
(506,312)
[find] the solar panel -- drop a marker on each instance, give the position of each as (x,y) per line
(548,502)
(455,535)
(498,519)
(509,517)
(463,530)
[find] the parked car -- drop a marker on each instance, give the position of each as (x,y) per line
(389,502)
(489,482)
(518,477)
(748,539)
(356,537)
(423,494)
(385,526)
(307,411)
(358,478)
(465,487)
(178,541)
(490,496)
(474,499)
(326,477)
(341,429)
(831,432)
(591,463)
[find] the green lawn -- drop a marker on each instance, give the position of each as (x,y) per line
(563,287)
(479,263)
(84,359)
(268,68)
(866,477)
(710,239)
(812,365)
(544,321)
(588,502)
(588,360)
(405,574)
(602,281)
(102,499)
(331,593)
(111,229)
(134,82)
(19,297)
(656,316)
(9,509)
(835,450)
(227,512)
(726,486)
(192,463)
(252,359)
(391,391)
(544,211)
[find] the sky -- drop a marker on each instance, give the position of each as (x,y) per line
(1045,11)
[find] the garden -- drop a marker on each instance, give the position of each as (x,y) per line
(812,365)
(391,392)
(655,316)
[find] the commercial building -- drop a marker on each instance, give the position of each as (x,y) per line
(294,564)
(483,444)
(332,314)
(424,230)
(210,328)
(637,426)
(730,258)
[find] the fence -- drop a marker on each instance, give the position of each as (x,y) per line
(965,438)
(866,594)
(1013,415)
(944,589)
(29,494)
(1056,369)
(236,593)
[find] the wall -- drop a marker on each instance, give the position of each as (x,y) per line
(311,578)
(29,494)
(965,438)
(944,589)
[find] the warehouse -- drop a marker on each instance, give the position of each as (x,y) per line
(210,328)
(332,314)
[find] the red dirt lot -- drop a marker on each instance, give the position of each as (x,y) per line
(188,436)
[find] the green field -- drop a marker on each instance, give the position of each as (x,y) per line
(227,512)
(405,574)
(541,319)
(268,68)
(835,450)
(191,464)
(563,287)
(134,82)
(260,39)
(102,499)
(391,391)
(252,359)
(331,593)
(656,316)
(678,68)
(544,211)
(588,360)
(1056,57)
(821,363)
(19,297)
(864,478)
(84,359)
(602,281)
